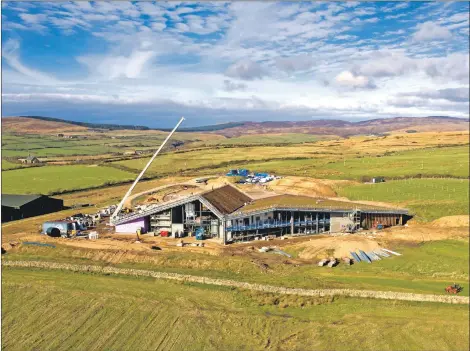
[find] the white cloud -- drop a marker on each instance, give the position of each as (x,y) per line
(112,67)
(10,55)
(429,31)
(348,79)
(232,86)
(246,70)
(295,63)
(458,95)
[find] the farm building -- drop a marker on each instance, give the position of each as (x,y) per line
(23,206)
(31,159)
(230,215)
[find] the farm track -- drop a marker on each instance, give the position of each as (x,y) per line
(387,295)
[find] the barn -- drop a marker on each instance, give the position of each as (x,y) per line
(16,207)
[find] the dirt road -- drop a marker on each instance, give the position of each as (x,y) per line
(387,295)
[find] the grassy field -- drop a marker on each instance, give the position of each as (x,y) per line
(266,139)
(447,161)
(333,159)
(47,146)
(426,268)
(429,199)
(62,310)
(451,161)
(46,180)
(7,165)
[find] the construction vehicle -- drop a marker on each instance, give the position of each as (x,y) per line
(453,289)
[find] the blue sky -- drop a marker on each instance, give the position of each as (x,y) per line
(149,63)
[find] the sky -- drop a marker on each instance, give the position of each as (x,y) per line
(147,63)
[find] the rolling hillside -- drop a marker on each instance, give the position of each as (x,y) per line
(345,128)
(45,125)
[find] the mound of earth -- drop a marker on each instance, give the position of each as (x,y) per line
(338,247)
(419,232)
(304,186)
(451,222)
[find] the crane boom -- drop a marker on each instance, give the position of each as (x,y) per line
(118,209)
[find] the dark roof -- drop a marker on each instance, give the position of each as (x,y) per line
(226,199)
(17,201)
(30,158)
(307,202)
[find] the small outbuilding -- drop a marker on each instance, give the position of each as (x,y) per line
(31,159)
(16,207)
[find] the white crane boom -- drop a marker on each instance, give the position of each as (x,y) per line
(118,209)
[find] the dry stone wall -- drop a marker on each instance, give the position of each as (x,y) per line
(387,295)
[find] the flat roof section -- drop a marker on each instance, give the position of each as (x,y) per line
(306,202)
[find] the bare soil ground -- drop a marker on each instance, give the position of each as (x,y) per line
(451,222)
(306,186)
(334,247)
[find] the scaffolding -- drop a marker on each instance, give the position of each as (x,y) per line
(287,222)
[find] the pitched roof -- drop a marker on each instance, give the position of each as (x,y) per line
(307,202)
(226,199)
(30,158)
(17,201)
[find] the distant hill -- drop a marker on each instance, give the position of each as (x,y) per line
(106,126)
(31,124)
(86,124)
(38,126)
(345,128)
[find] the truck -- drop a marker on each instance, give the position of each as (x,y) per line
(63,229)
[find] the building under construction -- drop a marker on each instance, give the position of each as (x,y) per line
(230,215)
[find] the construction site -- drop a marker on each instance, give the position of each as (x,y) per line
(225,213)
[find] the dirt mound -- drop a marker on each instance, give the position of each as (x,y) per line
(424,232)
(451,222)
(304,186)
(334,246)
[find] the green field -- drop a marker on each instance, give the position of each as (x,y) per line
(171,163)
(6,165)
(427,268)
(265,139)
(448,161)
(46,146)
(429,199)
(63,310)
(53,179)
